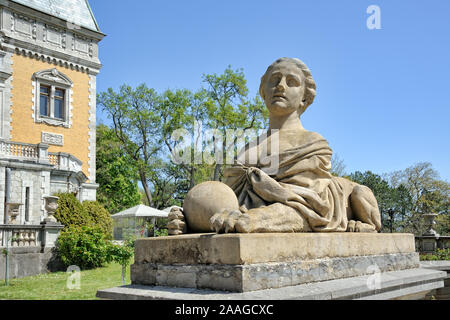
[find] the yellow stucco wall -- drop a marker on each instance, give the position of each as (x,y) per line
(23,127)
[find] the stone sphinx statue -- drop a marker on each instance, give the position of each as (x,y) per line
(301,195)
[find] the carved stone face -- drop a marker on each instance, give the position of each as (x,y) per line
(284,89)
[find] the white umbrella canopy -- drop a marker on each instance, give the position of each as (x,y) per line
(140,211)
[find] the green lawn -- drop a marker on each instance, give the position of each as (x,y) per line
(53,286)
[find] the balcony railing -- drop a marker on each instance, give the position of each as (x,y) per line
(38,153)
(19,150)
(53,158)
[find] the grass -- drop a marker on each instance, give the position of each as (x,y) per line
(53,286)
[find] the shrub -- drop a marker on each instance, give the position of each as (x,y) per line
(121,254)
(71,212)
(441,254)
(160,229)
(99,217)
(161,233)
(85,247)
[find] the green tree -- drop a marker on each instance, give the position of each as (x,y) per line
(382,191)
(428,194)
(186,111)
(229,108)
(136,115)
(116,174)
(337,166)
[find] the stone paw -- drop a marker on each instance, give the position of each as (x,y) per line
(358,226)
(224,222)
(243,225)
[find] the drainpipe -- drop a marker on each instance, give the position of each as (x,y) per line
(7,188)
(7,191)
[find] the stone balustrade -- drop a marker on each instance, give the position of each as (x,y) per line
(20,235)
(43,235)
(19,150)
(39,153)
(30,249)
(53,158)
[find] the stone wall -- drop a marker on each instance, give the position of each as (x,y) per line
(30,261)
(35,178)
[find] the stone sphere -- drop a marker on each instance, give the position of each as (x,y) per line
(204,200)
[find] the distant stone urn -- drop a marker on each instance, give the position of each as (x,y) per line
(429,223)
(51,205)
(13,210)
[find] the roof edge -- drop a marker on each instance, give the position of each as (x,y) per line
(8,3)
(92,15)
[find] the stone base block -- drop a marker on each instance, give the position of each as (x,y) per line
(249,262)
(259,276)
(238,249)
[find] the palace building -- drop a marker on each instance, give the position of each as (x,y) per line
(48,67)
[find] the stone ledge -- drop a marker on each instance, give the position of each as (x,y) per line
(404,284)
(437,265)
(239,249)
(259,276)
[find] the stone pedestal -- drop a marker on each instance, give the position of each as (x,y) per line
(250,262)
(50,233)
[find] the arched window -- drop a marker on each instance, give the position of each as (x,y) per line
(52,103)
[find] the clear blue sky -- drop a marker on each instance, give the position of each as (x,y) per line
(383,98)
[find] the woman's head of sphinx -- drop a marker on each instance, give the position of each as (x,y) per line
(306,81)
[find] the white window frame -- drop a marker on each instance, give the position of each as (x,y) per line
(55,80)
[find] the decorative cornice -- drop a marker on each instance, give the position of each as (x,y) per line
(56,58)
(58,22)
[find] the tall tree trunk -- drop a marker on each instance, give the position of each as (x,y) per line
(191,173)
(218,165)
(217,172)
(148,194)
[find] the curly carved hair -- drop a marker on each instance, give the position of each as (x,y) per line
(310,85)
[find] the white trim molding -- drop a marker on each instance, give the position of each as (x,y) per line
(5,94)
(52,78)
(92,127)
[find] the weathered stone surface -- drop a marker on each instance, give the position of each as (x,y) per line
(247,262)
(440,293)
(270,247)
(259,276)
(404,284)
(30,261)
